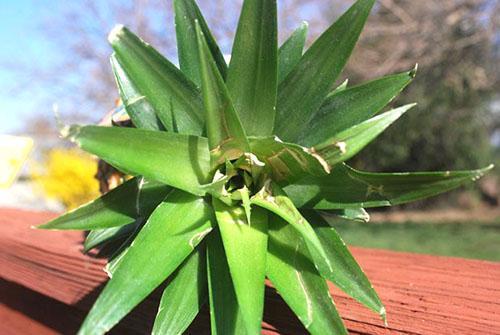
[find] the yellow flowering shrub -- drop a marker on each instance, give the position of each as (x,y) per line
(68,176)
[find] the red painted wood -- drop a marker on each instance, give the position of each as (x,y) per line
(423,294)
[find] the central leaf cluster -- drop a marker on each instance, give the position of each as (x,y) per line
(236,181)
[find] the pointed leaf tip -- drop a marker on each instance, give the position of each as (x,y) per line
(253,70)
(347,107)
(302,92)
(489,167)
(60,125)
(290,52)
(481,172)
(383,315)
(345,272)
(349,188)
(403,109)
(151,73)
(348,143)
(116,33)
(70,132)
(413,72)
(226,136)
(187,16)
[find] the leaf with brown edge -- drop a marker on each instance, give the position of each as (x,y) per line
(287,162)
(346,187)
(226,138)
(344,145)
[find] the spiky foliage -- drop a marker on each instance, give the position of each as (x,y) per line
(234,167)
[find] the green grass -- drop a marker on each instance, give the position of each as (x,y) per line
(467,240)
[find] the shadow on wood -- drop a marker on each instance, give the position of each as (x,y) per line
(48,286)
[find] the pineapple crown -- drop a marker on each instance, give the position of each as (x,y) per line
(234,169)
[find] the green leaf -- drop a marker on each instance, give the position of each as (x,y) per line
(338,89)
(181,161)
(118,253)
(225,314)
(186,15)
(99,237)
(151,194)
(117,256)
(348,143)
(184,295)
(136,105)
(226,137)
(349,188)
(352,214)
(304,89)
(294,275)
(346,273)
(169,236)
(243,195)
(253,70)
(290,53)
(121,206)
(349,107)
(246,247)
(163,85)
(288,162)
(275,200)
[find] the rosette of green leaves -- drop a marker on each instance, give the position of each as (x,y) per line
(233,167)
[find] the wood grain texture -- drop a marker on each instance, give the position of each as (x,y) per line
(423,294)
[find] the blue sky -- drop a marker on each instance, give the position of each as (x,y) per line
(21,43)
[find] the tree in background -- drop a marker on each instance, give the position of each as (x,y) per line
(88,88)
(454,43)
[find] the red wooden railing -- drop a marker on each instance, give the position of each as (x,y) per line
(48,285)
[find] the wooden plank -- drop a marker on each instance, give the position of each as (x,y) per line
(16,320)
(26,312)
(423,294)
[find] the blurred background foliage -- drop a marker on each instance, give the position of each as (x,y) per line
(455,44)
(67,176)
